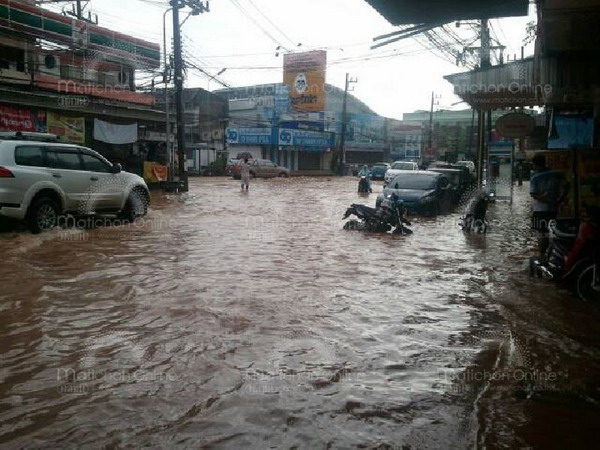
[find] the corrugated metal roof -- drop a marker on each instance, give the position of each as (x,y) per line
(509,85)
(401,12)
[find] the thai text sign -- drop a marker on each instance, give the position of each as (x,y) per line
(70,129)
(304,74)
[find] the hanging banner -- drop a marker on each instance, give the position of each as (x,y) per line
(113,133)
(304,74)
(69,129)
(17,119)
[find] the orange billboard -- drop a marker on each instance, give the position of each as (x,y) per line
(304,73)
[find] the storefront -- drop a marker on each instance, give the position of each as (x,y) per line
(295,149)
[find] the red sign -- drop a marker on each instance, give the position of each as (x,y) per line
(515,125)
(17,119)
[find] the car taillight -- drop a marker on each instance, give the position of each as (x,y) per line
(5,173)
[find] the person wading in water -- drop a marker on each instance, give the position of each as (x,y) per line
(245,173)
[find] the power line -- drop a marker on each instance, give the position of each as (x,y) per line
(263,29)
(274,25)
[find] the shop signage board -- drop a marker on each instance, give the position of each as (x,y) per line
(250,136)
(21,119)
(69,129)
(515,125)
(305,138)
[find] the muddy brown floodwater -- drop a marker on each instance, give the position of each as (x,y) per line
(234,320)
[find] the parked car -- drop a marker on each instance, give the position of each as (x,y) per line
(423,192)
(468,164)
(457,181)
(468,178)
(232,162)
(41,180)
(397,167)
(262,168)
(378,170)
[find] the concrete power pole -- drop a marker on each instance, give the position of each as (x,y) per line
(430,134)
(178,68)
(485,62)
(197,8)
(342,153)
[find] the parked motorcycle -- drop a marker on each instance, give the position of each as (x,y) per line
(573,256)
(475,215)
(364,186)
(389,215)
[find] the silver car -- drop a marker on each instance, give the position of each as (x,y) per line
(264,168)
(42,180)
(397,168)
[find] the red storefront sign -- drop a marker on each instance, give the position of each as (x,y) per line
(17,119)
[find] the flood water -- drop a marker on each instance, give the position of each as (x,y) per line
(252,320)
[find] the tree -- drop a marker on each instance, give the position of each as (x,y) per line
(530,32)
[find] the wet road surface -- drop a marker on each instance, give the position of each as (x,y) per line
(229,320)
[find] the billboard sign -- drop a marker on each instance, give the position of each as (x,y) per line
(304,74)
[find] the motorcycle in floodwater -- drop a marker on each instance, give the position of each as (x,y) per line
(573,256)
(389,215)
(475,215)
(364,186)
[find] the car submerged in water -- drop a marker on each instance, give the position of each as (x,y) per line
(423,192)
(398,167)
(379,170)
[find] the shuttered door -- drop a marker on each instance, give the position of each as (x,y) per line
(309,161)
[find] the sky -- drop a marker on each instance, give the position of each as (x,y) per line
(242,36)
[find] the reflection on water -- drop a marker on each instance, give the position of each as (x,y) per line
(230,319)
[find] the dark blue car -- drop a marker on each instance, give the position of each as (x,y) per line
(423,192)
(378,171)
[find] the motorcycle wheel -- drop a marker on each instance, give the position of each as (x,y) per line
(585,288)
(352,225)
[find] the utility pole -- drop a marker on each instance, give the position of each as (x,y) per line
(430,134)
(485,63)
(342,153)
(197,8)
(178,68)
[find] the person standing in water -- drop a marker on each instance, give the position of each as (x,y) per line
(245,173)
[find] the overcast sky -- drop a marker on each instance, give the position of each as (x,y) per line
(392,80)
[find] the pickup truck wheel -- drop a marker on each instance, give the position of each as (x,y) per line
(135,206)
(252,175)
(42,215)
(283,175)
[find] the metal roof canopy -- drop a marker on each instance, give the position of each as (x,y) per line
(403,12)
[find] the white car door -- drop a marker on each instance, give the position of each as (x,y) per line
(67,171)
(106,188)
